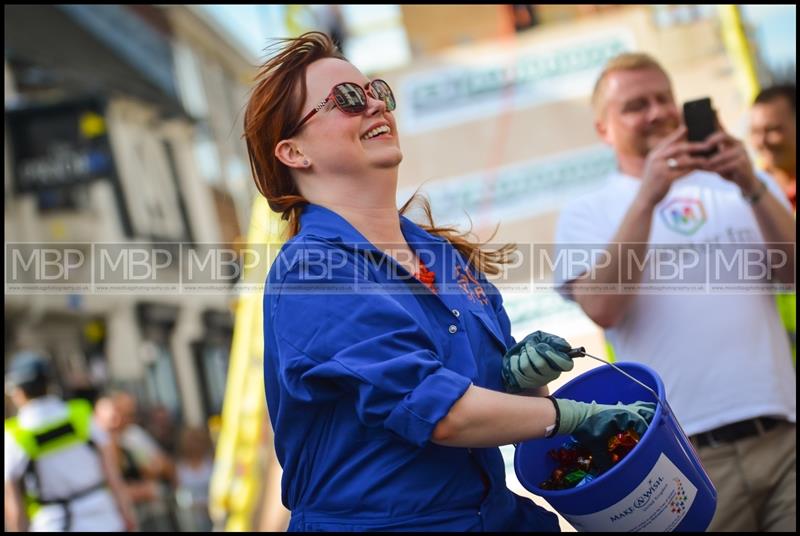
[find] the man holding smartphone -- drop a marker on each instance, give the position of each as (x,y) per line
(721,353)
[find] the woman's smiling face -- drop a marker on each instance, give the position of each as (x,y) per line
(341,143)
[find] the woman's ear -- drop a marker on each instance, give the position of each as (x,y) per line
(290,155)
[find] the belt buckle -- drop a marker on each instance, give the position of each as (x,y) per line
(760,428)
(712,441)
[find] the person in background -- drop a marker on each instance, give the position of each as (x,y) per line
(723,355)
(161,426)
(80,386)
(139,442)
(147,471)
(141,486)
(773,135)
(388,353)
(193,471)
(60,471)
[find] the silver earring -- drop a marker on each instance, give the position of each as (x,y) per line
(305,163)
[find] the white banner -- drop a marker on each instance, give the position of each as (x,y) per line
(517,191)
(498,82)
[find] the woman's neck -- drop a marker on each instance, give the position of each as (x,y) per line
(369,205)
(379,225)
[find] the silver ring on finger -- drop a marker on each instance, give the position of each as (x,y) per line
(672,163)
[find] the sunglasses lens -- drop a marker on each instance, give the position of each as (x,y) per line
(384,92)
(350,98)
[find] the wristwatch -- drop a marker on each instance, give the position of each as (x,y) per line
(756,196)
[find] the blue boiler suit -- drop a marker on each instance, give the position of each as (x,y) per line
(361,361)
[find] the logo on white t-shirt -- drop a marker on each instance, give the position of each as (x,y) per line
(683,215)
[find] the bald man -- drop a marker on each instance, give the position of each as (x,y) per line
(722,354)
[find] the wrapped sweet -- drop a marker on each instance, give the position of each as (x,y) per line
(576,466)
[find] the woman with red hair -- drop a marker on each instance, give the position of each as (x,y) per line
(386,360)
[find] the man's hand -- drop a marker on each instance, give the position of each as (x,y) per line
(535,361)
(731,161)
(669,160)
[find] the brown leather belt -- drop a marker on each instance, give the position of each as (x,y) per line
(736,431)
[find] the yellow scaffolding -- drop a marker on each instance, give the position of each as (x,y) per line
(244,460)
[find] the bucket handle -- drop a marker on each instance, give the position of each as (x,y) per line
(685,444)
(580,351)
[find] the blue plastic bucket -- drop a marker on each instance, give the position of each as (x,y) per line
(659,486)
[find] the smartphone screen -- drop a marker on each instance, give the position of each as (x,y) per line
(700,121)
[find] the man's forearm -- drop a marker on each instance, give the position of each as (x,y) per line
(631,240)
(116,485)
(15,516)
(777,228)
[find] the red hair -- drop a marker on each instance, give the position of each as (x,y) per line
(272,114)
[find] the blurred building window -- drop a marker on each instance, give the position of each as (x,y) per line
(157,322)
(207,155)
(169,152)
(211,356)
(220,113)
(157,190)
(162,381)
(190,81)
(213,366)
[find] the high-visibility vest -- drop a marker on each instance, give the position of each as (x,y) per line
(610,355)
(72,430)
(787,309)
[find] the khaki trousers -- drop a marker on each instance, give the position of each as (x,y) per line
(755,479)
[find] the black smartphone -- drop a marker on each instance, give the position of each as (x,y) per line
(701,121)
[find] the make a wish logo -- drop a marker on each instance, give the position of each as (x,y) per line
(679,501)
(684,216)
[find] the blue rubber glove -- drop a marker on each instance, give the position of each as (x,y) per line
(593,424)
(535,361)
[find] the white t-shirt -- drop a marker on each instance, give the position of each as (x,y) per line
(63,473)
(722,354)
(196,480)
(140,444)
